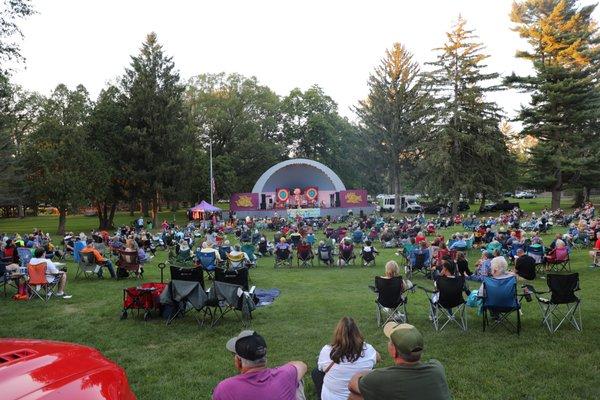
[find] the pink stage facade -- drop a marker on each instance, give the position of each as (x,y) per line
(300,187)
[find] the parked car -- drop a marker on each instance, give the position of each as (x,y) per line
(433,208)
(525,195)
(508,194)
(48,370)
(504,206)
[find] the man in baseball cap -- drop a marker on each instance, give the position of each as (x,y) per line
(255,380)
(409,377)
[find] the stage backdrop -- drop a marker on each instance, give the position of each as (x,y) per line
(353,198)
(244,202)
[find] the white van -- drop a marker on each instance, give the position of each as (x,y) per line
(408,203)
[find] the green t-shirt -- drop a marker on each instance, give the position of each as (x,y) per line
(421,381)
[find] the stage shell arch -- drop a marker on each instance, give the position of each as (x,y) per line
(299,187)
(298,172)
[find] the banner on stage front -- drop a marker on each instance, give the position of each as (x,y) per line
(304,212)
(353,198)
(243,201)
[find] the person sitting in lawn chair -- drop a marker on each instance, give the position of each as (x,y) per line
(368,253)
(595,253)
(325,253)
(52,272)
(484,267)
(264,247)
(420,259)
(305,254)
(346,252)
(100,260)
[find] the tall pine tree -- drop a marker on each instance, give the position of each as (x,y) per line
(394,114)
(565,100)
(156,131)
(465,153)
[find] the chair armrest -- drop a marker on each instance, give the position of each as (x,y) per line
(373,288)
(252,289)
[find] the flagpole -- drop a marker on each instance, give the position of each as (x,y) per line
(211,175)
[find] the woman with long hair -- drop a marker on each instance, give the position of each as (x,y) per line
(347,354)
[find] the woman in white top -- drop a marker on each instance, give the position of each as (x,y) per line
(347,355)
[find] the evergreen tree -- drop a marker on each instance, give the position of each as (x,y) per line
(106,130)
(565,100)
(465,153)
(394,116)
(156,133)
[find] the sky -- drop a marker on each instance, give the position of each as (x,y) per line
(285,44)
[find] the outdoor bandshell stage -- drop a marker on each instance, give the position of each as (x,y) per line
(300,187)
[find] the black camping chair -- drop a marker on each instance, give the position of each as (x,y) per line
(368,257)
(224,298)
(499,301)
(563,305)
(186,292)
(391,300)
(447,304)
(234,276)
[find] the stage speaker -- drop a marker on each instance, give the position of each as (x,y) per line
(337,199)
(263,201)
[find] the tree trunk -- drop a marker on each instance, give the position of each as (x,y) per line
(174,205)
(482,204)
(397,205)
(455,205)
(555,205)
(586,194)
(145,207)
(132,207)
(21,211)
(155,210)
(105,216)
(111,216)
(62,220)
(578,199)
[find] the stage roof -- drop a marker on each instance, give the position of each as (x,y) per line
(301,173)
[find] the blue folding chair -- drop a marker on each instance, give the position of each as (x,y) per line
(208,262)
(250,250)
(79,245)
(499,300)
(25,255)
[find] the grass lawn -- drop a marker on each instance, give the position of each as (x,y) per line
(183,361)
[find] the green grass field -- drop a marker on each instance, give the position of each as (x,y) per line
(183,361)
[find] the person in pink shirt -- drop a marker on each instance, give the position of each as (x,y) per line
(255,380)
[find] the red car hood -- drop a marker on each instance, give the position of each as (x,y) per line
(41,369)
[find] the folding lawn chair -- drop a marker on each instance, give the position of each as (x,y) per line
(25,256)
(347,255)
(304,255)
(421,265)
(368,257)
(237,261)
(596,260)
(225,297)
(130,262)
(499,300)
(561,261)
(145,297)
(208,262)
(447,304)
(235,276)
(38,282)
(325,255)
(186,292)
(563,305)
(391,300)
(250,251)
(87,265)
(283,258)
(537,253)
